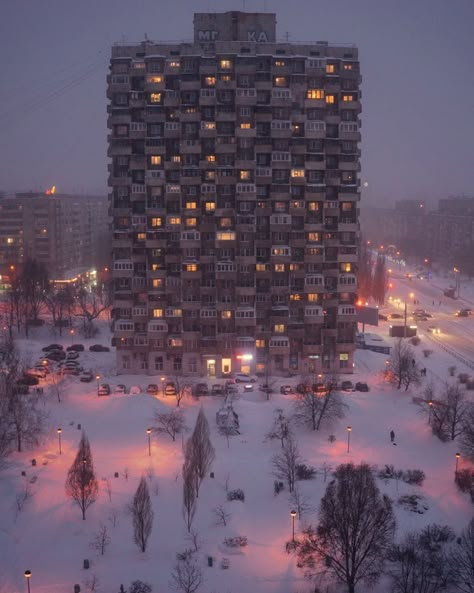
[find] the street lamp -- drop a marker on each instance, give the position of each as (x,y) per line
(27,575)
(349,430)
(293,515)
(162,379)
(457,277)
(412,296)
(97,378)
(59,431)
(458,455)
(148,431)
(71,333)
(430,404)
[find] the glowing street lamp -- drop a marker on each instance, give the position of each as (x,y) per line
(293,515)
(27,575)
(97,378)
(148,431)
(59,431)
(458,455)
(349,430)
(430,404)
(71,333)
(162,379)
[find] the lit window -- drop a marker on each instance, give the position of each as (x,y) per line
(346,268)
(225,236)
(191,205)
(155,97)
(156,222)
(208,125)
(173,64)
(245,126)
(210,206)
(154,79)
(315,94)
(226,64)
(157,312)
(210,80)
(330,99)
(297,172)
(174,220)
(279,267)
(295,297)
(175,342)
(191,267)
(280,81)
(157,282)
(260,343)
(347,98)
(279,328)
(260,267)
(313,206)
(330,68)
(176,159)
(315,237)
(155,160)
(347,66)
(211,158)
(245,175)
(225,222)
(313,297)
(191,222)
(210,175)
(279,63)
(141,236)
(225,77)
(10,240)
(226,314)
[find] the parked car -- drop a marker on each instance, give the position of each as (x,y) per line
(75,348)
(69,371)
(120,388)
(104,389)
(303,388)
(286,389)
(201,389)
(53,347)
(248,387)
(42,367)
(99,348)
(217,389)
(135,390)
(432,329)
(361,386)
(55,355)
(170,388)
(152,389)
(383,317)
(462,313)
(395,316)
(347,386)
(265,387)
(244,378)
(40,373)
(86,377)
(72,355)
(26,379)
(231,389)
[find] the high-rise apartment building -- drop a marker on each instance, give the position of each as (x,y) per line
(64,232)
(234,180)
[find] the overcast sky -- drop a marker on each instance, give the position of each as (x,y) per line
(416,58)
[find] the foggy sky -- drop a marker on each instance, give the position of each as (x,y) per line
(417,94)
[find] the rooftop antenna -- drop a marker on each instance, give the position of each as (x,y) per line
(287,36)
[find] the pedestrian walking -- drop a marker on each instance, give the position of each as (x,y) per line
(392,436)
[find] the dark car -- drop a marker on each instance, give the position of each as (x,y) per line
(104,389)
(201,389)
(462,313)
(383,317)
(56,355)
(303,388)
(75,348)
(347,386)
(217,390)
(72,355)
(27,379)
(152,389)
(361,387)
(86,377)
(99,348)
(395,316)
(53,347)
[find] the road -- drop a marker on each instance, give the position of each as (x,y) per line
(457,333)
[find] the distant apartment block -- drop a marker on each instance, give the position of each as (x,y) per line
(234,188)
(64,232)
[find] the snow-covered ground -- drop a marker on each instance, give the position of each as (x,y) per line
(50,538)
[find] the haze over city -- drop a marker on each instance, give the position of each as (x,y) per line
(417,88)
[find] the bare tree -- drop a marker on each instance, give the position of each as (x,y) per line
(113,516)
(81,483)
(454,399)
(101,539)
(181,388)
(280,429)
(92,583)
(186,576)
(142,515)
(467,435)
(201,452)
(56,382)
(27,417)
(91,306)
(462,561)
(140,587)
(420,563)
(315,408)
(108,488)
(300,503)
(284,463)
(189,490)
(170,423)
(194,539)
(326,469)
(402,369)
(23,496)
(221,515)
(355,530)
(59,303)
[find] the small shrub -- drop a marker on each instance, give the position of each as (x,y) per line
(237,494)
(331,438)
(427,353)
(239,541)
(278,487)
(415,341)
(451,371)
(465,481)
(413,503)
(305,472)
(292,546)
(463,378)
(414,476)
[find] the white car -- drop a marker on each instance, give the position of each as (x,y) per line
(135,390)
(244,378)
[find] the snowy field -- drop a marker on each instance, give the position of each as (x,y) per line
(50,538)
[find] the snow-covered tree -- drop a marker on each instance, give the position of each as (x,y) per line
(142,515)
(81,482)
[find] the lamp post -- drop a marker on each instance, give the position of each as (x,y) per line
(148,431)
(71,333)
(27,575)
(412,296)
(457,277)
(430,404)
(59,431)
(97,378)
(458,455)
(293,515)
(162,379)
(349,430)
